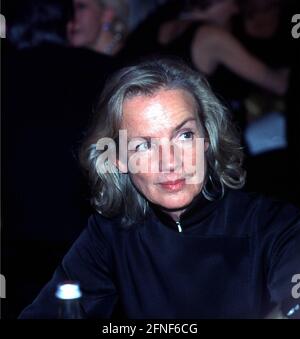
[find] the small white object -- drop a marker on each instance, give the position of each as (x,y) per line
(68,291)
(179,226)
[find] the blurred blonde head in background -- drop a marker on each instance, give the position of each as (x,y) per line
(100,25)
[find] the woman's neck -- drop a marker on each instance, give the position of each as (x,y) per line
(175,215)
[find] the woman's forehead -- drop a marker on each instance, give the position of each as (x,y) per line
(166,109)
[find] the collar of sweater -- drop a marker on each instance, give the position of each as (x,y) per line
(197,211)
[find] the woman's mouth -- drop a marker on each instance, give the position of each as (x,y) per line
(173,186)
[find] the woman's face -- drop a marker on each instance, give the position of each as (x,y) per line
(84,30)
(163,133)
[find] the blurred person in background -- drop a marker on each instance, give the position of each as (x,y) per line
(204,37)
(100,25)
(261,28)
(201,33)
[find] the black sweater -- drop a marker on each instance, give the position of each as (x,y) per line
(235,258)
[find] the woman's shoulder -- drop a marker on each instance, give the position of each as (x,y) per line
(262,211)
(259,199)
(108,227)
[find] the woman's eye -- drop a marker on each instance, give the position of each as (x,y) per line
(143,147)
(186,136)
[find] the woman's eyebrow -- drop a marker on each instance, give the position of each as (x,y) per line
(183,123)
(148,138)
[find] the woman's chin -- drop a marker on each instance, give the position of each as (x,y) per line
(175,204)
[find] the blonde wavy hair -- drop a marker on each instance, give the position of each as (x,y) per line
(113,193)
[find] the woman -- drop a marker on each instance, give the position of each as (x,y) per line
(203,36)
(100,25)
(173,236)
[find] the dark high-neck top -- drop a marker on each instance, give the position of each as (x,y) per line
(235,258)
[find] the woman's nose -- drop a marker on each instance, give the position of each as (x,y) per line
(168,158)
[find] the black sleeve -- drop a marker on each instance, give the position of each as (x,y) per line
(88,262)
(282,240)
